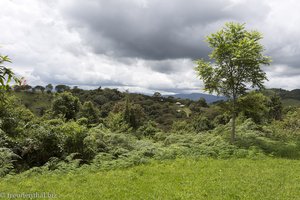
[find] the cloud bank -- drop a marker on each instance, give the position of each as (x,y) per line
(140,45)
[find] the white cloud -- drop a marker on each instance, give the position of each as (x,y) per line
(47,47)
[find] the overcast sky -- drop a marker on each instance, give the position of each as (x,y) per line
(140,45)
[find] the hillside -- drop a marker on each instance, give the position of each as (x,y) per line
(162,110)
(37,102)
(196,96)
(289,98)
(105,99)
(85,141)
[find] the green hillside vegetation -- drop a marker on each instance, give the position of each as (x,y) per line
(132,126)
(36,102)
(291,102)
(289,98)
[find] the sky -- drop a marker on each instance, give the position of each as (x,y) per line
(140,45)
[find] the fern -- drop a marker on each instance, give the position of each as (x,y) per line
(6,161)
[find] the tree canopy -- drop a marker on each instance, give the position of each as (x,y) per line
(67,105)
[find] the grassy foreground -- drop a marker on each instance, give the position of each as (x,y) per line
(180,179)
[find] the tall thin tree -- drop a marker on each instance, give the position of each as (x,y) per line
(237,57)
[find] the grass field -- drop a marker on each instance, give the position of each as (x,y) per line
(35,101)
(291,102)
(180,179)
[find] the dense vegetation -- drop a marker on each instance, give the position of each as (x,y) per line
(111,129)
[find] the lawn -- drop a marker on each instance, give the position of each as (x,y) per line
(35,101)
(180,179)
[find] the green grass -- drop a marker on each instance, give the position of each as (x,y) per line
(35,101)
(290,102)
(180,179)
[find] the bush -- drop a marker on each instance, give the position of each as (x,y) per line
(4,139)
(99,139)
(161,136)
(14,116)
(221,119)
(70,163)
(43,142)
(6,161)
(94,141)
(254,105)
(116,122)
(201,123)
(66,105)
(73,136)
(182,127)
(215,146)
(90,112)
(149,129)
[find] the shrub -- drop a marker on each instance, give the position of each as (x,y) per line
(116,122)
(94,141)
(221,119)
(6,161)
(202,123)
(90,112)
(182,127)
(215,146)
(74,135)
(66,105)
(161,136)
(254,105)
(42,142)
(14,116)
(149,129)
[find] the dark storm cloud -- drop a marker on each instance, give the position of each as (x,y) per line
(145,45)
(291,63)
(169,66)
(153,29)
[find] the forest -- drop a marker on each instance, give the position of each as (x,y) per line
(47,129)
(124,139)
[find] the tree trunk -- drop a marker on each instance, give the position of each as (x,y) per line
(232,139)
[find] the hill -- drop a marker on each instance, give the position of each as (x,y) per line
(87,141)
(164,111)
(196,96)
(289,98)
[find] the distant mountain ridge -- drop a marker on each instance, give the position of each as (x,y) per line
(288,97)
(196,96)
(286,94)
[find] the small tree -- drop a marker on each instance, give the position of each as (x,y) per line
(157,95)
(39,88)
(66,105)
(49,88)
(237,56)
(90,112)
(276,107)
(62,88)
